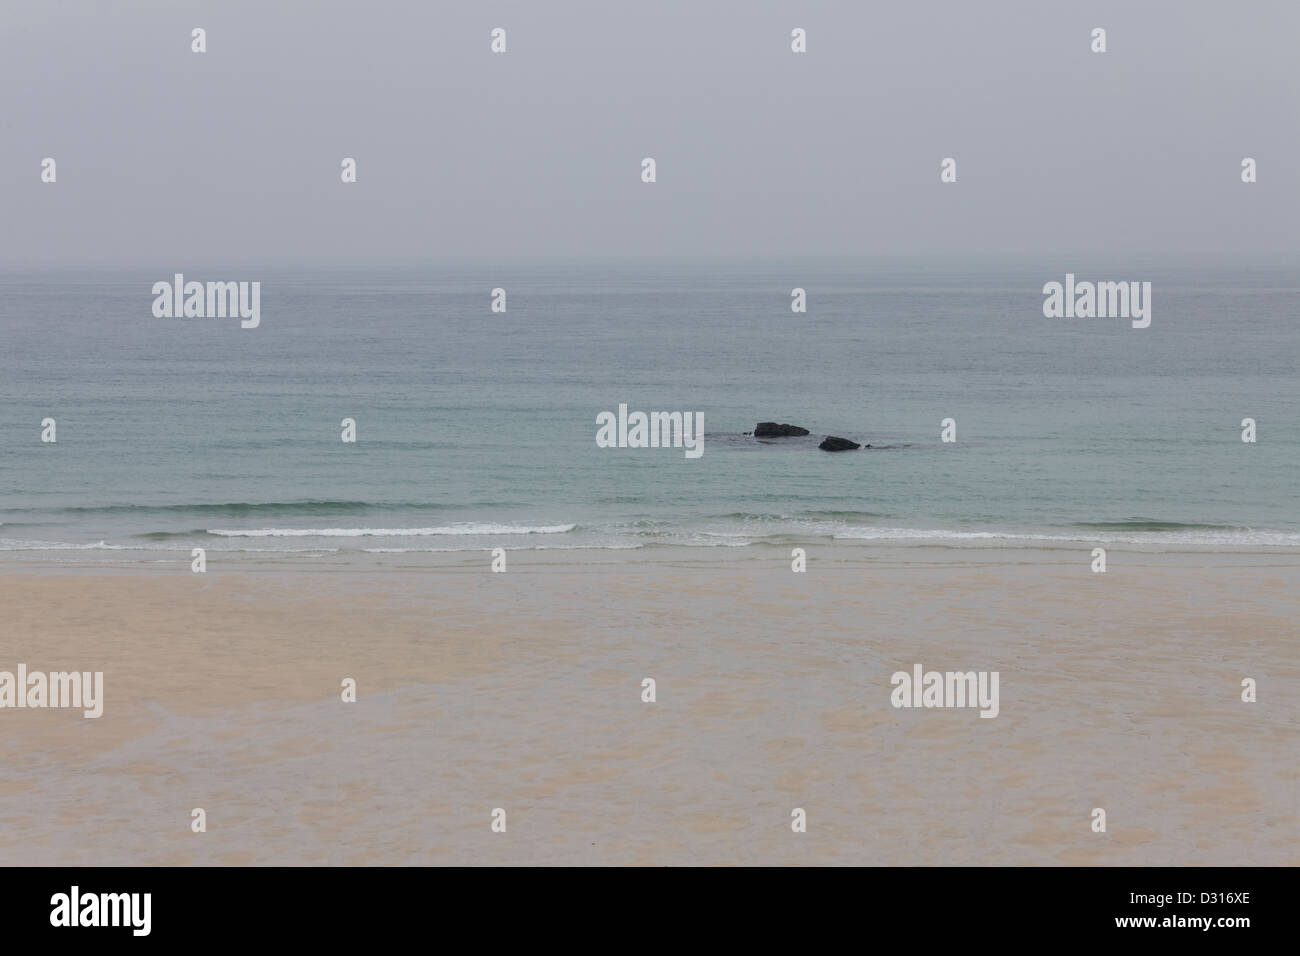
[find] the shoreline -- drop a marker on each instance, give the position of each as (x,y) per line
(825,553)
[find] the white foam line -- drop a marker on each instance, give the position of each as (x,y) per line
(465,529)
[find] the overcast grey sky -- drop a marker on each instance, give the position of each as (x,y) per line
(166,156)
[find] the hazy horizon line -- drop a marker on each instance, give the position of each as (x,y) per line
(917,262)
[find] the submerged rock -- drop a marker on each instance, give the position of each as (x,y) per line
(831,443)
(773,430)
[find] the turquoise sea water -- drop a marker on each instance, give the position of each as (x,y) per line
(477,430)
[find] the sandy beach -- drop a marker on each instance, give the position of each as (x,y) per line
(522,691)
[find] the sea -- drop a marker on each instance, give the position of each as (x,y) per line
(475,429)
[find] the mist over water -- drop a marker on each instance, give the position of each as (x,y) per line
(477,430)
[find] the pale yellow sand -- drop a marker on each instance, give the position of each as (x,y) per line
(523,691)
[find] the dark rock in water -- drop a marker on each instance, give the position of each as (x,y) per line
(831,443)
(773,430)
